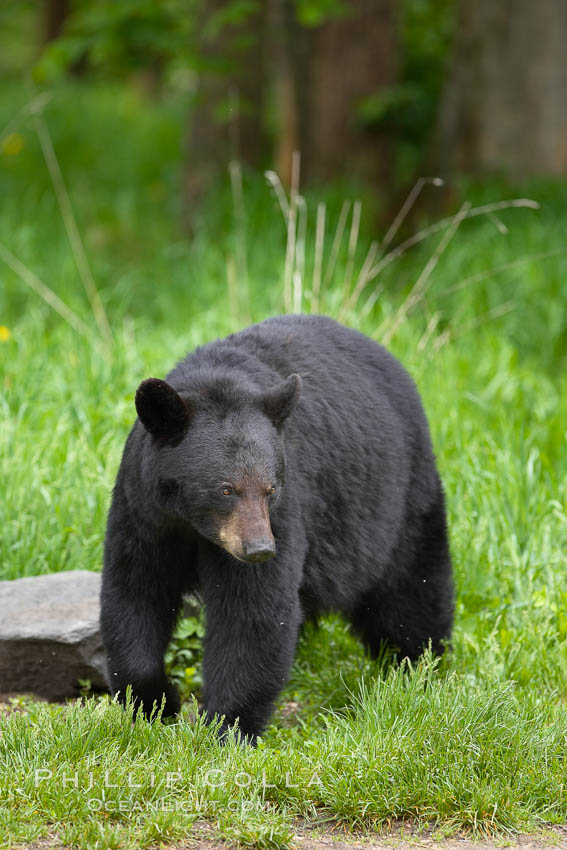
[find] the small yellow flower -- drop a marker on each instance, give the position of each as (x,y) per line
(5,333)
(12,144)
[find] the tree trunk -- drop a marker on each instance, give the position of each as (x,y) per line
(226,120)
(282,32)
(313,80)
(349,59)
(505,104)
(54,14)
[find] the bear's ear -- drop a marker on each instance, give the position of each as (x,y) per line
(161,409)
(281,399)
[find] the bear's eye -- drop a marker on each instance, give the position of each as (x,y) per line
(272,491)
(226,490)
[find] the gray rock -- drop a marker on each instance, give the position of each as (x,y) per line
(49,634)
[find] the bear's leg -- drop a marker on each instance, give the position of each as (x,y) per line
(407,616)
(252,622)
(139,607)
(413,604)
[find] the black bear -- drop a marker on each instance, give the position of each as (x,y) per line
(281,473)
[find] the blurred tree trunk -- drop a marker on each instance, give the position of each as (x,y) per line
(282,32)
(348,59)
(226,120)
(505,104)
(54,14)
(313,81)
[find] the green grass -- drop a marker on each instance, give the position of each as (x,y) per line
(478,744)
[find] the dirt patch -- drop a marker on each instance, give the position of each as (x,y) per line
(403,837)
(334,837)
(398,838)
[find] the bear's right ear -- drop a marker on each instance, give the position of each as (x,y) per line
(162,411)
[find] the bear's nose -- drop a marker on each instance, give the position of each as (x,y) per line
(260,550)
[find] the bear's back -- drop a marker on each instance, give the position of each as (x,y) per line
(341,365)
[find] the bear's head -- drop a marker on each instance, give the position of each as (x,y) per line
(216,458)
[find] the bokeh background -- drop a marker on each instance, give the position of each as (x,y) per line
(158,118)
(172,170)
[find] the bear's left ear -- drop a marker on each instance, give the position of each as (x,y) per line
(281,399)
(162,411)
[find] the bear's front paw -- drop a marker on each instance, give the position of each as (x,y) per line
(246,740)
(172,701)
(149,700)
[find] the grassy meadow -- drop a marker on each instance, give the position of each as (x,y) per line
(476,311)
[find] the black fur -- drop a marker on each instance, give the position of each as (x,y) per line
(359,526)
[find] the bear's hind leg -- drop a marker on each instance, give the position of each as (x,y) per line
(413,604)
(407,616)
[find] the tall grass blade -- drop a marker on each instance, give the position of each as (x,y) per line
(33,107)
(297,291)
(291,232)
(495,313)
(336,244)
(488,273)
(352,243)
(371,301)
(279,191)
(318,261)
(420,286)
(232,291)
(429,331)
(421,235)
(235,171)
(72,229)
(49,296)
(361,281)
(299,272)
(407,205)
